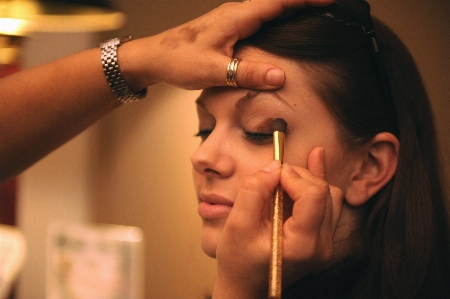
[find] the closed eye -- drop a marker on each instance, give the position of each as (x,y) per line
(258,137)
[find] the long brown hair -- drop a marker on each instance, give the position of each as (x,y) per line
(405,233)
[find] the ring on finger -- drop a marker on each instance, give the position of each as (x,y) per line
(232,71)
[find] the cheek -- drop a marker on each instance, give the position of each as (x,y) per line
(297,158)
(254,162)
(338,169)
(296,153)
(298,149)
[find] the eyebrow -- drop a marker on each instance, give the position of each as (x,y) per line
(251,94)
(246,99)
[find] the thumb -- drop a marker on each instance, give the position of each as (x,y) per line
(259,75)
(316,162)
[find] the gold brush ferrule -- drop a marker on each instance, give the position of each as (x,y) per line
(278,145)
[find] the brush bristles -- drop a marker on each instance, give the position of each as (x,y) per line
(279,125)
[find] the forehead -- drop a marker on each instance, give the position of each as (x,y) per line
(297,87)
(243,98)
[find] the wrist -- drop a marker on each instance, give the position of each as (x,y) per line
(114,73)
(138,63)
(242,289)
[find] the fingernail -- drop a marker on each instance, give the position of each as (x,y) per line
(275,77)
(272,166)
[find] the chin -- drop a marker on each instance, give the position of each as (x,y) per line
(208,249)
(210,237)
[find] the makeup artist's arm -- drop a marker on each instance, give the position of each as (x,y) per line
(243,250)
(43,107)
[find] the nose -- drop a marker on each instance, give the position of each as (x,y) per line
(213,158)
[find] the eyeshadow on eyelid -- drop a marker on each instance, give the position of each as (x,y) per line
(262,125)
(266,125)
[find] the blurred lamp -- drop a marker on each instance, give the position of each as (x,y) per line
(18,17)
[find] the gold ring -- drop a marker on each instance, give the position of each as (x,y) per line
(231,72)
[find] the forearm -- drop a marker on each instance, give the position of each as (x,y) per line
(236,290)
(43,107)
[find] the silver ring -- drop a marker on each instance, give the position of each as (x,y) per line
(231,72)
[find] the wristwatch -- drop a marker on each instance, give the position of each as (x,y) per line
(112,71)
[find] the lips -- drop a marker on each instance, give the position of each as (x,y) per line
(214,207)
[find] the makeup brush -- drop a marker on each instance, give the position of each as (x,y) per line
(279,127)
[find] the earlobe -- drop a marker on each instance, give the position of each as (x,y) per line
(376,168)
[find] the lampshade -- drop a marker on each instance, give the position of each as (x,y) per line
(96,3)
(19,17)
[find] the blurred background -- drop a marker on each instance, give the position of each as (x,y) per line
(132,168)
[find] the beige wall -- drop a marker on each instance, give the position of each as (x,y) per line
(133,167)
(57,188)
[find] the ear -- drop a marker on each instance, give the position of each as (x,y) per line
(375,169)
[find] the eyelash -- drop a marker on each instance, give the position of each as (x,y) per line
(254,137)
(258,137)
(203,134)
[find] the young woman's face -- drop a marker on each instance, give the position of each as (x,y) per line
(235,128)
